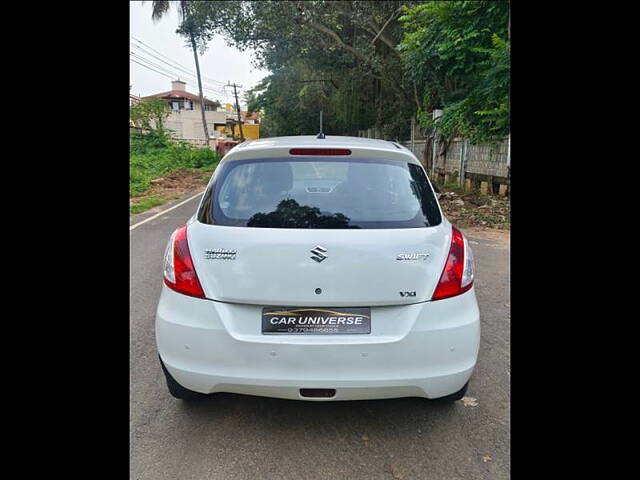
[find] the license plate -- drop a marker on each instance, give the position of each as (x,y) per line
(316,321)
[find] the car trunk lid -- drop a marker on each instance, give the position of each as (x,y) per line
(318,267)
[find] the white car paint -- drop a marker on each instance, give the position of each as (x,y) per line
(417,347)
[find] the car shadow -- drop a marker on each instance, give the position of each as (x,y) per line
(373,417)
(241,436)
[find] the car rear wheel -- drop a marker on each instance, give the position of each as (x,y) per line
(454,396)
(177,390)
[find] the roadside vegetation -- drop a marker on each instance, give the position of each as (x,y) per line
(471,208)
(153,155)
(365,64)
(162,169)
(371,64)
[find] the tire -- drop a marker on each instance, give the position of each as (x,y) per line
(454,396)
(178,391)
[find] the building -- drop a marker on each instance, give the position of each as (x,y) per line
(250,124)
(133,99)
(249,118)
(251,131)
(186,112)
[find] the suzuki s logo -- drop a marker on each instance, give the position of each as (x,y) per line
(319,254)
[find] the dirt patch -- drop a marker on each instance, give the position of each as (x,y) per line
(179,183)
(498,238)
(471,209)
(169,187)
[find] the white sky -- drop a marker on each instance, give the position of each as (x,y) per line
(220,62)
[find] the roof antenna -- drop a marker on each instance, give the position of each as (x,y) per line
(321,134)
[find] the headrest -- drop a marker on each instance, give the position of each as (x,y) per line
(273,177)
(363,174)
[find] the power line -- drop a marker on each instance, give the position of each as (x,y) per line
(159,67)
(133,60)
(173,61)
(161,54)
(172,66)
(163,61)
(169,74)
(166,70)
(211,88)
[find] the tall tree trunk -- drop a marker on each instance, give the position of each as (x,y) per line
(204,120)
(185,15)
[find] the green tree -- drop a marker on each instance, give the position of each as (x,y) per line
(458,54)
(371,64)
(337,56)
(150,114)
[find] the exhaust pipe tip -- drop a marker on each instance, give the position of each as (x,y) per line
(318,392)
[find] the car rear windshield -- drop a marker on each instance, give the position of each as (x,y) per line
(320,193)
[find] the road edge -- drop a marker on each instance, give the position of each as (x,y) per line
(144,217)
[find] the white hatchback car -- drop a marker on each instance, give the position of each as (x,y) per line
(318,269)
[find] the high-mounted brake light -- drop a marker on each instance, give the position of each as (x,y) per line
(319,151)
(179,272)
(457,276)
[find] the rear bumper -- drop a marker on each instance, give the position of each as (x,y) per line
(422,350)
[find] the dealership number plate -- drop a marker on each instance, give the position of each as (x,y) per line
(316,321)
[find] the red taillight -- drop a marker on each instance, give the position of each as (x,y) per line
(179,272)
(319,151)
(451,280)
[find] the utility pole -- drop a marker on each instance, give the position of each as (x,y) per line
(437,113)
(235,93)
(413,134)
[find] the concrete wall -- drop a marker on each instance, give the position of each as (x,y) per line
(483,160)
(487,159)
(188,123)
(486,165)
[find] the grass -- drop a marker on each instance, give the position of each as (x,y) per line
(153,155)
(453,187)
(146,203)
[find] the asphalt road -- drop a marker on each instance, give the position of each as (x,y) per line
(242,437)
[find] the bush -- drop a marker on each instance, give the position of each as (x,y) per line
(154,154)
(141,143)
